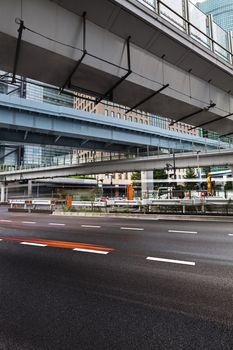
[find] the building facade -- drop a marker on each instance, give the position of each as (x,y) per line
(110,109)
(221,10)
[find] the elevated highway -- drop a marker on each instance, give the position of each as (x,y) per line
(183,160)
(25,121)
(123,51)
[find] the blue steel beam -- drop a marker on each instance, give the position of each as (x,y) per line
(50,124)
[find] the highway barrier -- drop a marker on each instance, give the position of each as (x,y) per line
(203,205)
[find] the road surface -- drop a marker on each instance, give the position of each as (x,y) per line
(99,283)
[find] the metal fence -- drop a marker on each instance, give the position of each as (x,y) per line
(187,17)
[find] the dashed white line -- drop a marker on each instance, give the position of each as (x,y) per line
(230,234)
(133,228)
(172,261)
(5,220)
(34,244)
(178,231)
(28,222)
(94,226)
(90,251)
(56,224)
(0,239)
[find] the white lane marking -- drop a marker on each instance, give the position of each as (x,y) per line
(230,234)
(35,244)
(56,224)
(0,239)
(133,228)
(5,220)
(28,222)
(90,251)
(178,231)
(91,226)
(172,261)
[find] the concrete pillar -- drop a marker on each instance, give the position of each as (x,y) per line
(231,168)
(2,192)
(29,188)
(117,192)
(147,185)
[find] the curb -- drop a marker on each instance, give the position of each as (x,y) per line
(150,217)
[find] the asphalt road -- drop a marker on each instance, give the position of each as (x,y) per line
(99,283)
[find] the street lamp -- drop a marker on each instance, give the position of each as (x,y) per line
(198,171)
(110,176)
(100,185)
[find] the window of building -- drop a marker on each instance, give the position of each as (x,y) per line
(112,114)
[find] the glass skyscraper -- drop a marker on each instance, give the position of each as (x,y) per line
(222,11)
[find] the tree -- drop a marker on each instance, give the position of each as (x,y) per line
(136,178)
(190,174)
(160,174)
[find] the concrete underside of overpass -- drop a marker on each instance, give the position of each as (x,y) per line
(183,160)
(195,75)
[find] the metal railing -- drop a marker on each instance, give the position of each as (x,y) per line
(73,159)
(191,20)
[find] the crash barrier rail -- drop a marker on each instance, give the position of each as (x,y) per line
(183,206)
(196,205)
(33,203)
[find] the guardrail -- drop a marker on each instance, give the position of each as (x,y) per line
(183,206)
(202,205)
(30,204)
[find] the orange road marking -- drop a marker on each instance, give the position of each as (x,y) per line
(57,244)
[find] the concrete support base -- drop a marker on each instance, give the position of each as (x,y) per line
(2,192)
(147,184)
(29,188)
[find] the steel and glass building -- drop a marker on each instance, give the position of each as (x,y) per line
(221,10)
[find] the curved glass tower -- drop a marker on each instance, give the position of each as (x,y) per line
(222,11)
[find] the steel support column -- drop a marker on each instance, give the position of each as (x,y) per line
(18,47)
(111,90)
(68,80)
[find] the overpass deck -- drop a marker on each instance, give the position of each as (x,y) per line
(28,121)
(162,69)
(183,160)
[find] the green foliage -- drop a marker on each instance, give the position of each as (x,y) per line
(136,176)
(160,174)
(228,186)
(190,174)
(206,170)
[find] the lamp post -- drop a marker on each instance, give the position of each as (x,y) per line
(198,171)
(100,185)
(110,175)
(168,165)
